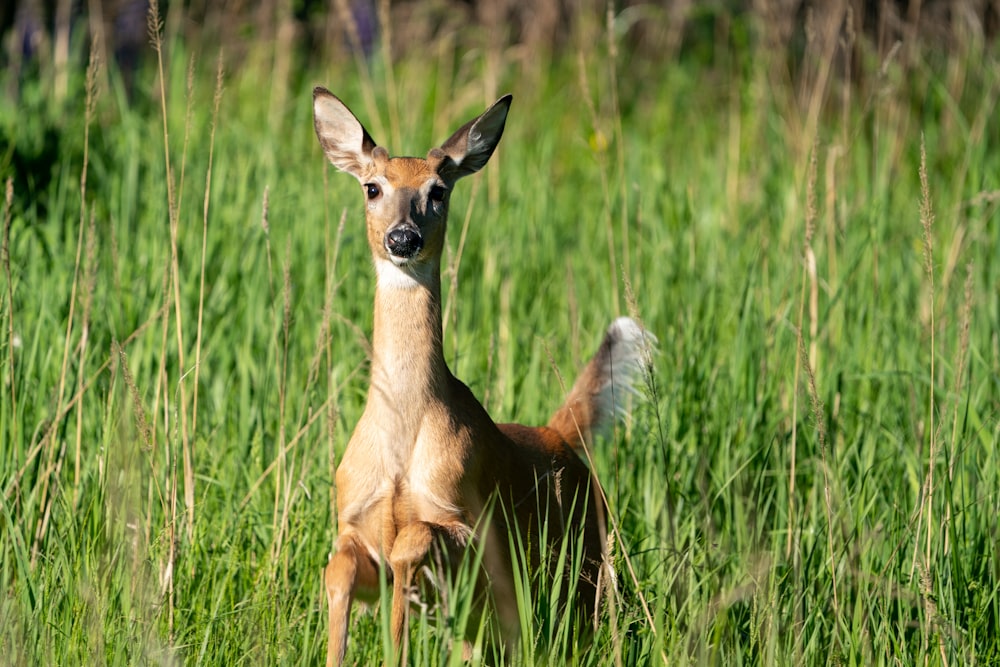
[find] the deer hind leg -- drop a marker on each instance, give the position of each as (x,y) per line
(413,544)
(349,567)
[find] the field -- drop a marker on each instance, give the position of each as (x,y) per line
(810,476)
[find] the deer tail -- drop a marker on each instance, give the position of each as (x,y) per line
(604,389)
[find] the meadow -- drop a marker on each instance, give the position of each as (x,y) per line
(810,475)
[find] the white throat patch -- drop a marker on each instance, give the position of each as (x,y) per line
(392,277)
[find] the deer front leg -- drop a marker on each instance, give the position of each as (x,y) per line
(409,551)
(348,568)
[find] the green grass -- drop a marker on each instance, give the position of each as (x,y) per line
(772,512)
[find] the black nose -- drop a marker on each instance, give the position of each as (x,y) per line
(403,242)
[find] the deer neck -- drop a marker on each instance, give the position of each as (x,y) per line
(408,366)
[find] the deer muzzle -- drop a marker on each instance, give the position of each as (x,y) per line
(404,241)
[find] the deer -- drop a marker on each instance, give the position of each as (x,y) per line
(427,472)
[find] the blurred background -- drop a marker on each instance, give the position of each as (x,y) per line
(809,57)
(49,36)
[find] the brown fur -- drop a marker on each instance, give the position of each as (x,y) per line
(425,459)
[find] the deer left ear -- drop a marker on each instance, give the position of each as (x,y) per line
(345,141)
(471,146)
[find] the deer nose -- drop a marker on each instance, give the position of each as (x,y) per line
(403,242)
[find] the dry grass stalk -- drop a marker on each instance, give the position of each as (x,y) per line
(926,223)
(819,417)
(808,278)
(90,263)
(216,102)
(49,442)
(282,481)
(167,575)
(162,394)
(155,25)
(810,266)
(960,369)
(188,114)
(925,515)
(5,258)
(187,447)
(89,283)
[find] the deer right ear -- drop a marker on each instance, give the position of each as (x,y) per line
(344,139)
(473,143)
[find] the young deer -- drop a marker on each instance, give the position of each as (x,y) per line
(426,460)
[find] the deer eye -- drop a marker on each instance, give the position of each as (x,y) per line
(437,194)
(372,191)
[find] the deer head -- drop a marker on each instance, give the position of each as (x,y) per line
(406,197)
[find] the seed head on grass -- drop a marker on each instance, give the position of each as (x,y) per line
(142,423)
(960,366)
(926,223)
(819,412)
(5,259)
(810,256)
(926,511)
(926,217)
(808,279)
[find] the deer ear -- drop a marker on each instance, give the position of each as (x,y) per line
(344,139)
(468,150)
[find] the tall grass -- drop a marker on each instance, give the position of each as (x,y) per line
(811,477)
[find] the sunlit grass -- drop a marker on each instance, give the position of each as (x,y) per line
(826,360)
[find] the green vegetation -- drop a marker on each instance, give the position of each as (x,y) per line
(811,477)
